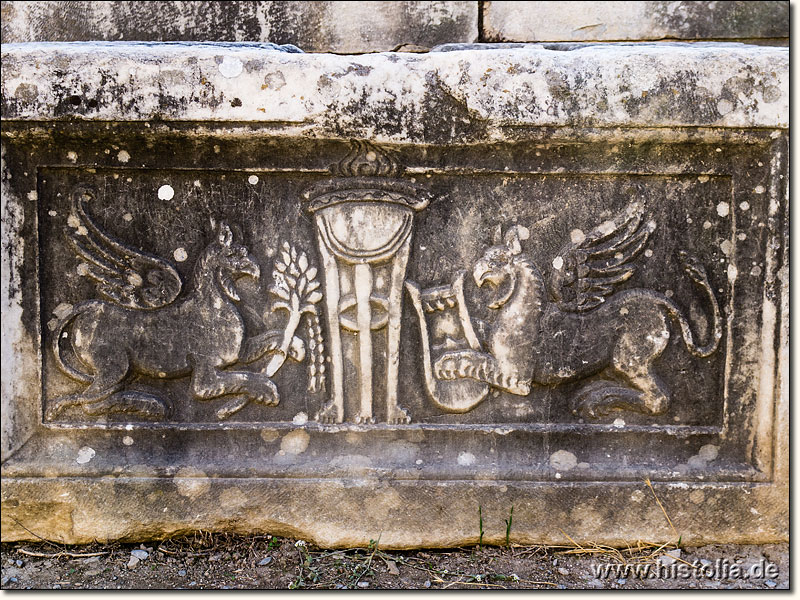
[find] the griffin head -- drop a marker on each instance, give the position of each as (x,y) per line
(233,261)
(497,267)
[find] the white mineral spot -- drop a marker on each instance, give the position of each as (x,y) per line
(216,149)
(726,246)
(85,454)
(619,423)
(577,236)
(107,150)
(116,175)
(252,180)
(73,221)
(180,254)
(606,227)
(32,195)
(418,461)
(82,269)
(197,183)
(563,460)
(637,496)
(466,459)
(732,273)
(52,213)
(127,217)
(162,374)
(702,178)
(165,192)
(73,156)
(558,475)
(755,271)
(759,189)
(623,311)
(127,440)
(123,156)
(300,418)
(741,236)
(619,256)
(217,303)
(558,262)
(230,67)
(295,442)
(648,253)
(723,209)
(760,164)
(719,149)
(744,205)
(81,230)
(707,225)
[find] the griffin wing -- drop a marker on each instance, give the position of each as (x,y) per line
(127,277)
(587,271)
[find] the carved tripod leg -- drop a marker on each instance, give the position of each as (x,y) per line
(363,288)
(333,410)
(395,414)
(110,367)
(210,382)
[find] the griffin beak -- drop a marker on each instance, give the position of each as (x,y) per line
(480,273)
(249,267)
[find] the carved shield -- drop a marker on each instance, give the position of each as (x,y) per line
(445,326)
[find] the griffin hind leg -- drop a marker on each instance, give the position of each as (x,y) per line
(110,369)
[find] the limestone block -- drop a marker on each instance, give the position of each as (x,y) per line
(618,21)
(313,26)
(351,297)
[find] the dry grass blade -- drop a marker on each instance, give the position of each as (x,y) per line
(661,506)
(60,554)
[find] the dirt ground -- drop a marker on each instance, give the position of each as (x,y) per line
(223,561)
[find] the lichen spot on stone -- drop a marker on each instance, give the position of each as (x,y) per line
(726,247)
(191,483)
(72,156)
(733,272)
(230,67)
(252,180)
(165,192)
(73,221)
(619,423)
(577,236)
(127,217)
(697,496)
(563,460)
(558,262)
(32,195)
(85,454)
(269,435)
(127,440)
(723,209)
(648,253)
(466,459)
(123,156)
(708,452)
(759,189)
(300,419)
(637,496)
(180,254)
(295,442)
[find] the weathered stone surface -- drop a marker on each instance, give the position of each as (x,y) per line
(312,26)
(408,288)
(619,21)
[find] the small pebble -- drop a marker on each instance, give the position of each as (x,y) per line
(19,563)
(622,581)
(770,583)
(57,587)
(265,561)
(363,584)
(427,584)
(339,586)
(5,581)
(182,572)
(563,571)
(140,554)
(561,586)
(133,562)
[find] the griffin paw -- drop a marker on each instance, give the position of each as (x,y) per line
(328,414)
(398,416)
(365,419)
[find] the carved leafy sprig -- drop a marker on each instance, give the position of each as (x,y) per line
(296,290)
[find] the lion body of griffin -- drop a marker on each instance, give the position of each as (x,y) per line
(145,329)
(579,325)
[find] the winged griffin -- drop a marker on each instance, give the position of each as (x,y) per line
(144,328)
(577,324)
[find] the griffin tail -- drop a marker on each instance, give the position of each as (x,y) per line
(59,334)
(698,274)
